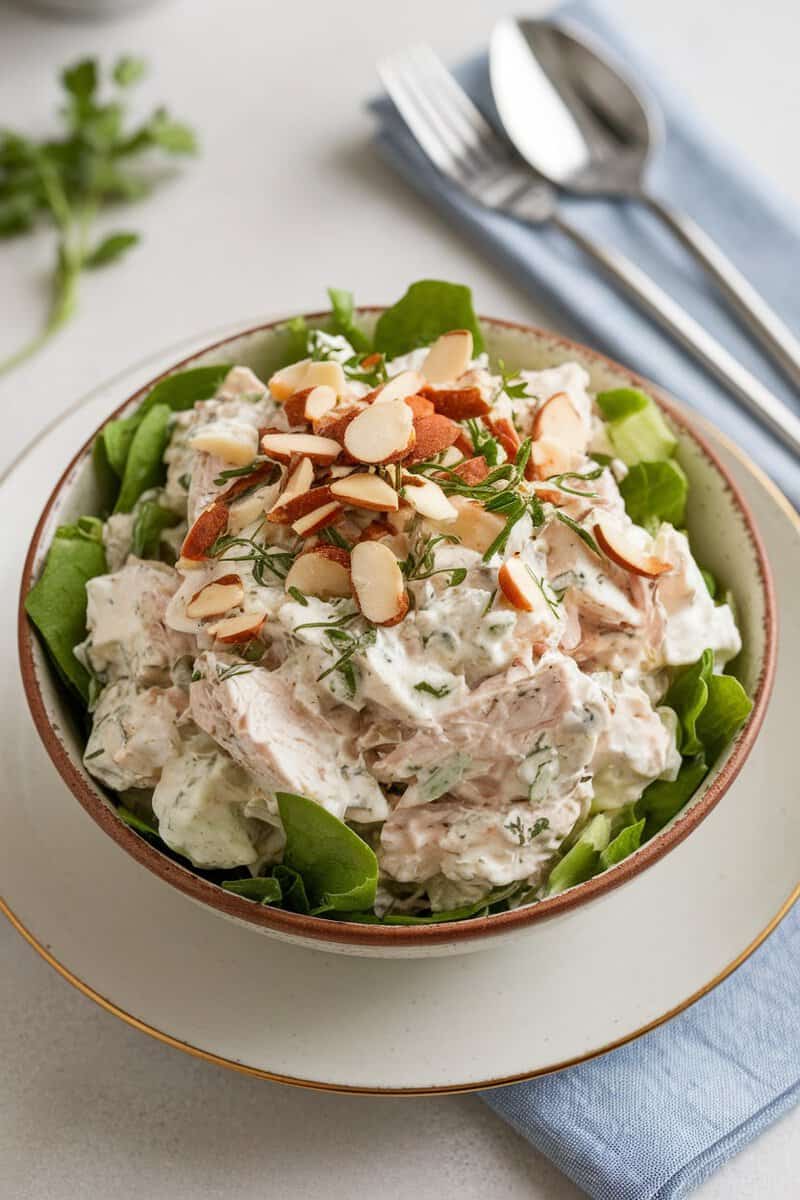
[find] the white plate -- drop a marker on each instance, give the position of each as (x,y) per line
(566,990)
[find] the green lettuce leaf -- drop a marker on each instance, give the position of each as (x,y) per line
(344,322)
(264,889)
(727,708)
(626,841)
(57,601)
(151,521)
(429,308)
(655,492)
(662,800)
(293,890)
(582,861)
(636,428)
(144,467)
(339,869)
(688,696)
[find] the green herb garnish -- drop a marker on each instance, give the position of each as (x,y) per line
(438,692)
(67,180)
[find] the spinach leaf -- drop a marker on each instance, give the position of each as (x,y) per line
(622,402)
(343,322)
(294,895)
(298,340)
(339,869)
(582,861)
(144,467)
(661,800)
(479,909)
(688,696)
(110,249)
(655,491)
(179,392)
(137,822)
(626,841)
(726,709)
(710,582)
(264,889)
(429,308)
(151,521)
(57,601)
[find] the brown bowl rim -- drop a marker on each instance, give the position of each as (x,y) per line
(331,932)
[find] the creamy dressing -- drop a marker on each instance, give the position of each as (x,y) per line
(471,736)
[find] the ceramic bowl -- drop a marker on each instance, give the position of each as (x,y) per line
(724,538)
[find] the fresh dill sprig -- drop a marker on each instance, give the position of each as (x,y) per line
(552,600)
(582,533)
(421,560)
(264,558)
(587,476)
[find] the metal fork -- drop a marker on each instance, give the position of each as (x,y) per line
(463,146)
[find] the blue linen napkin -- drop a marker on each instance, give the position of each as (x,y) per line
(698,174)
(653,1119)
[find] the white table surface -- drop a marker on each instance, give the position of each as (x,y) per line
(287,197)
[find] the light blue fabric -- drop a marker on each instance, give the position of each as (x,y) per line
(697,174)
(653,1119)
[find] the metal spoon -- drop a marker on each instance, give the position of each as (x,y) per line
(574,116)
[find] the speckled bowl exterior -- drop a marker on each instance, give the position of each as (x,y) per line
(724,538)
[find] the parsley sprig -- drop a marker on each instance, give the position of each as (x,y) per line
(67,180)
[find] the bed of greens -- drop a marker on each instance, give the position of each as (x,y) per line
(342,866)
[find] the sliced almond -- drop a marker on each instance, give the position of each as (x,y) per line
(382,433)
(371,360)
(238,629)
(378,583)
(246,511)
(427,498)
(473,471)
(234,442)
(320,400)
(476,527)
(449,356)
(282,447)
(265,473)
(433,434)
(216,598)
(420,406)
(365,491)
(334,423)
(504,432)
(323,572)
(341,471)
(291,508)
(317,519)
(407,383)
(288,380)
(375,531)
(295,407)
(300,478)
(326,374)
(559,421)
(457,403)
(621,550)
(207,527)
(519,586)
(189,564)
(550,458)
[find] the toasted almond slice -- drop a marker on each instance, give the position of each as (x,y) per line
(317,519)
(371,360)
(382,433)
(504,432)
(282,446)
(453,455)
(420,406)
(323,572)
(234,442)
(326,374)
(291,508)
(265,473)
(295,407)
(375,531)
(300,478)
(457,403)
(362,490)
(341,471)
(288,380)
(476,527)
(243,628)
(216,598)
(334,423)
(550,457)
(559,421)
(448,357)
(320,399)
(473,471)
(245,511)
(519,586)
(378,583)
(207,527)
(427,498)
(621,550)
(552,495)
(407,383)
(190,564)
(433,434)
